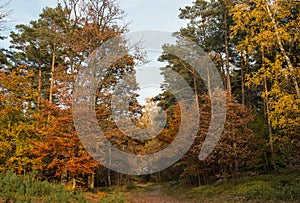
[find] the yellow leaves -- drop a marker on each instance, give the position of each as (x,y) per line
(239,14)
(16,130)
(253,20)
(285,111)
(253,80)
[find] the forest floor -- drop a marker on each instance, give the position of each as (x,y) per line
(153,194)
(258,189)
(162,194)
(270,188)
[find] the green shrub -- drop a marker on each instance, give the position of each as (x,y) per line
(284,187)
(258,190)
(26,188)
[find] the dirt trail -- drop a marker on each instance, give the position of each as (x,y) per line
(154,195)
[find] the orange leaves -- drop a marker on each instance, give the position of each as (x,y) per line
(59,148)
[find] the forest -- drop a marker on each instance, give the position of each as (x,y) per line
(255,47)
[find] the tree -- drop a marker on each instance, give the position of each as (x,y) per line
(38,46)
(54,48)
(260,22)
(58,150)
(17,119)
(209,26)
(233,149)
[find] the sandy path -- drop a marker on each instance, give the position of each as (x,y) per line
(154,195)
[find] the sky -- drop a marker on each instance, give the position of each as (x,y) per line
(141,15)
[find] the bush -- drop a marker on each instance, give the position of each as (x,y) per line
(258,190)
(271,187)
(262,188)
(26,188)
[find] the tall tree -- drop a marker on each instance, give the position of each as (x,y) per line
(209,26)
(260,22)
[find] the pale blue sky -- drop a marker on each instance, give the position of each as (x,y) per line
(143,14)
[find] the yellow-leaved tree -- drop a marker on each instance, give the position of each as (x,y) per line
(17,118)
(268,32)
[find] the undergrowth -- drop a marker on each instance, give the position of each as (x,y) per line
(278,188)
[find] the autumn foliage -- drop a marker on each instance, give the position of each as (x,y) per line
(254,45)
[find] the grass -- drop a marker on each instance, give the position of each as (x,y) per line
(26,188)
(263,188)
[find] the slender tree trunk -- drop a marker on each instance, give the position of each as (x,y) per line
(247,97)
(209,84)
(40,84)
(225,176)
(52,74)
(243,79)
(72,71)
(120,179)
(108,178)
(63,177)
(193,72)
(283,51)
(196,89)
(74,183)
(228,81)
(268,114)
(91,181)
(108,171)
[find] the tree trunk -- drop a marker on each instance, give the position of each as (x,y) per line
(243,79)
(63,177)
(268,114)
(225,176)
(52,74)
(108,170)
(73,183)
(228,81)
(246,62)
(199,179)
(108,178)
(195,89)
(40,84)
(91,181)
